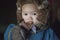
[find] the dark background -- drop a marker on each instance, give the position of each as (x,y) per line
(8,15)
(7,11)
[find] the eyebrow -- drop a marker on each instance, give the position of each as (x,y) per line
(31,11)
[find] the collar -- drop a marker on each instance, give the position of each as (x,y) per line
(38,28)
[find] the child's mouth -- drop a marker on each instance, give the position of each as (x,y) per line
(29,21)
(29,24)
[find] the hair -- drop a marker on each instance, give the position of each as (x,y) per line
(42,6)
(57,13)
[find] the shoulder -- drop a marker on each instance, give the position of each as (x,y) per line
(8,31)
(12,27)
(51,34)
(16,35)
(50,30)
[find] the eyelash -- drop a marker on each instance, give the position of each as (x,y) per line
(25,14)
(32,14)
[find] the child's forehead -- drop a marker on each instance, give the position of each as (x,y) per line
(29,7)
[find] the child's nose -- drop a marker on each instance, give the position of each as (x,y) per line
(30,17)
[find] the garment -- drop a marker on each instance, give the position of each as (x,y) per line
(18,33)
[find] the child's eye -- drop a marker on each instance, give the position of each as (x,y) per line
(34,13)
(26,14)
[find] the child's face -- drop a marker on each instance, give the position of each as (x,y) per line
(29,13)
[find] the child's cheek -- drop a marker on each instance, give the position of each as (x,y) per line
(35,20)
(25,18)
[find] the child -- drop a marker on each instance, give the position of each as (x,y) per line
(33,25)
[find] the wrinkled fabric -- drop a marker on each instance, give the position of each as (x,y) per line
(44,35)
(8,34)
(47,34)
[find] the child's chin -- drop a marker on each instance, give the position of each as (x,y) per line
(29,24)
